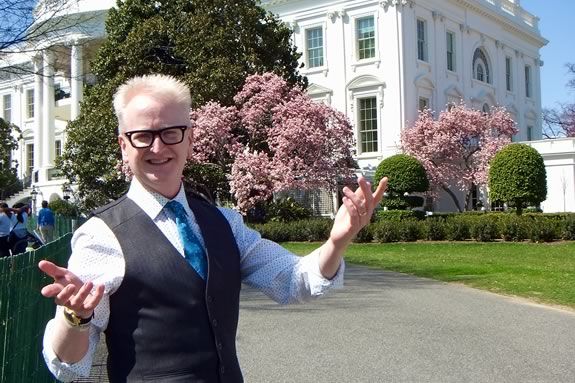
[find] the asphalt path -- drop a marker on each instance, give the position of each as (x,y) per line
(390,327)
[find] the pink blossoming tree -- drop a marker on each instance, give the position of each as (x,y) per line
(456,148)
(274,138)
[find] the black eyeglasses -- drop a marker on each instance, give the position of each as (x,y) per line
(171,135)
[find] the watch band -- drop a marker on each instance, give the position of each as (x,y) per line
(76,321)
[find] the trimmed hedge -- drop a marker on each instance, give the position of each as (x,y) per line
(458,227)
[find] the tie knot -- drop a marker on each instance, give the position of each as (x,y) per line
(176,208)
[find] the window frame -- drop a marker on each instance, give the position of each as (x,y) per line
(450,51)
(357,39)
(307,48)
(30,103)
(5,97)
(528,81)
(29,158)
(422,40)
(508,73)
(373,119)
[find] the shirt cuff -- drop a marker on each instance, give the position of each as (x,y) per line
(318,284)
(66,372)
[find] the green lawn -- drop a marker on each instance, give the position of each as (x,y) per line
(542,272)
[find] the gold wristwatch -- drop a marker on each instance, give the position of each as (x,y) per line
(76,321)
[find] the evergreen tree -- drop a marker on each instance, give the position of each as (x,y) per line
(9,182)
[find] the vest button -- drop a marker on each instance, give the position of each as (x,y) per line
(219,345)
(215,323)
(222,370)
(210,299)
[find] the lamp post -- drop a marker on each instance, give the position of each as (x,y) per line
(33,195)
(66,191)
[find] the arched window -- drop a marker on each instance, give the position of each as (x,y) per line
(481,66)
(485,109)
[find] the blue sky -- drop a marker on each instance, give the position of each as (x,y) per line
(556,23)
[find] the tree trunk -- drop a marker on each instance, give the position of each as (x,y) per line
(453,197)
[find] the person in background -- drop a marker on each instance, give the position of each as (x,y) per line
(159,270)
(46,223)
(5,226)
(19,228)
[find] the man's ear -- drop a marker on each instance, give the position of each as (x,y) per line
(122,142)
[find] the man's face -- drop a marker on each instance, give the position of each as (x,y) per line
(159,167)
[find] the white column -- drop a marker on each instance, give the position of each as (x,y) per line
(76,80)
(48,113)
(38,131)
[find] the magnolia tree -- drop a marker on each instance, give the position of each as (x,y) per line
(456,148)
(274,138)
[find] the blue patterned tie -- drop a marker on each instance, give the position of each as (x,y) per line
(192,249)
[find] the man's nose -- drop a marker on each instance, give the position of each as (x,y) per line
(157,144)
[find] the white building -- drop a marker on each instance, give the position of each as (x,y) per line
(377,61)
(41,88)
(381,61)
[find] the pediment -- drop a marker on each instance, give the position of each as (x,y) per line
(315,89)
(365,81)
(422,81)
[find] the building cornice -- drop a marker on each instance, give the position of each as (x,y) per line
(528,32)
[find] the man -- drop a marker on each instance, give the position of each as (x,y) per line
(46,223)
(166,319)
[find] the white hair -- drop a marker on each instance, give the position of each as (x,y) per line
(162,87)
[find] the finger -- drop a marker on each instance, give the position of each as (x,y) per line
(78,299)
(51,290)
(63,297)
(365,188)
(52,269)
(351,208)
(378,195)
(94,298)
(356,199)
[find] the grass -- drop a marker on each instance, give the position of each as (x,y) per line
(544,273)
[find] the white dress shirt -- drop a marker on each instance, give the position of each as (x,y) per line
(265,265)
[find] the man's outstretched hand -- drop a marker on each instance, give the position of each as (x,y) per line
(356,211)
(68,290)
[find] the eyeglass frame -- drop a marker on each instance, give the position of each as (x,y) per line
(156,133)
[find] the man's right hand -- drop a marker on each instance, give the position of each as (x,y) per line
(68,290)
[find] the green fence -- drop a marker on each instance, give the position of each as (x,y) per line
(24,312)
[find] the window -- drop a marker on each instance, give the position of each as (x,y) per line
(30,103)
(423,103)
(29,159)
(450,36)
(368,124)
(365,38)
(527,81)
(485,109)
(481,67)
(7,106)
(529,133)
(314,44)
(508,74)
(58,148)
(421,40)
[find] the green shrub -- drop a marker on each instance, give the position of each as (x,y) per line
(398,215)
(514,228)
(385,231)
(517,176)
(405,173)
(484,228)
(568,232)
(286,210)
(435,229)
(457,229)
(544,229)
(409,231)
(365,235)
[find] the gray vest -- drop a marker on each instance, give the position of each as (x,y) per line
(166,323)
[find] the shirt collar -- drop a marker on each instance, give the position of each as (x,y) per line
(152,202)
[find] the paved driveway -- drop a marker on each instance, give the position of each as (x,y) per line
(390,327)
